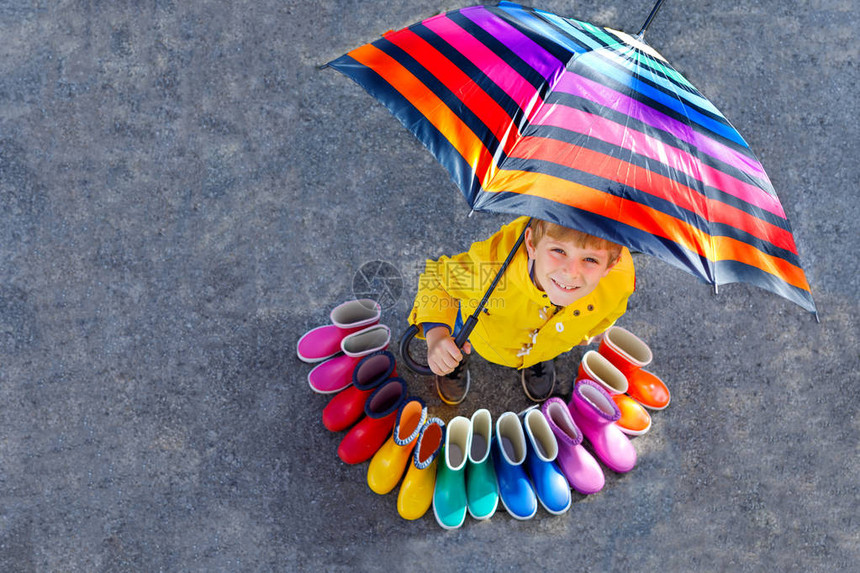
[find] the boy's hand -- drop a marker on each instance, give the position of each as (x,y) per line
(442,352)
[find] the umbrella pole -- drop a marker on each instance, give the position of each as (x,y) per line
(470,323)
(651,16)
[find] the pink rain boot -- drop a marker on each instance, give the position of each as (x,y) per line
(579,467)
(594,412)
(635,419)
(336,374)
(630,354)
(323,342)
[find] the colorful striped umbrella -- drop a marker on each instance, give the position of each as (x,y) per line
(535,114)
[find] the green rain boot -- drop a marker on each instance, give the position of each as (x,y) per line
(449,496)
(482,493)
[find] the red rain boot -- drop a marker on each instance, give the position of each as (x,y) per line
(630,354)
(362,441)
(347,407)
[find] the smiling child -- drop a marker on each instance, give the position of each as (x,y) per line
(564,289)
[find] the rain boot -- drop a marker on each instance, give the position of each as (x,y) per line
(416,491)
(582,471)
(336,374)
(509,454)
(323,342)
(594,412)
(551,486)
(635,420)
(449,495)
(347,407)
(362,441)
(482,491)
(387,466)
(630,355)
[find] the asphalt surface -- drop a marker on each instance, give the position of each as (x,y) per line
(183,193)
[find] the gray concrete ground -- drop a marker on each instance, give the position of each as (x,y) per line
(183,194)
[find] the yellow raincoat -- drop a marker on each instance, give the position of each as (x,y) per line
(520,326)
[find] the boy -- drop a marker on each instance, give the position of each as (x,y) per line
(565,288)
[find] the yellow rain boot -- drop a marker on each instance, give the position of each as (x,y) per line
(416,491)
(386,467)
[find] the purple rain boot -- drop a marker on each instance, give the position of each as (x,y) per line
(336,374)
(594,412)
(578,466)
(323,342)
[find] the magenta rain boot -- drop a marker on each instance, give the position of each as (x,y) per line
(323,342)
(630,355)
(347,407)
(594,412)
(578,466)
(635,419)
(336,374)
(366,437)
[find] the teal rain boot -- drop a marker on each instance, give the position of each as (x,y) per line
(482,494)
(449,497)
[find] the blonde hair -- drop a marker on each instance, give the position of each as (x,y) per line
(581,239)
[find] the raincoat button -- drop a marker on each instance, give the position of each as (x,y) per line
(576,312)
(559,327)
(590,307)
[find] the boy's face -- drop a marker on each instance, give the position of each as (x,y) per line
(564,271)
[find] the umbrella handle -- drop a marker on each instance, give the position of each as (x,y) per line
(411,363)
(423,369)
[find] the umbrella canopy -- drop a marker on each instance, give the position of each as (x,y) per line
(535,114)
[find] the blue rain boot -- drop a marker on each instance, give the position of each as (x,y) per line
(509,452)
(551,486)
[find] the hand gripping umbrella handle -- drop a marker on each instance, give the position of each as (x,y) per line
(468,325)
(412,331)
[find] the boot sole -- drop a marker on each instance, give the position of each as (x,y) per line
(515,516)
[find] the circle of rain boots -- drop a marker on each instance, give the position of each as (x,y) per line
(536,457)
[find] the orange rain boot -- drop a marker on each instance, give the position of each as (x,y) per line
(630,354)
(635,420)
(416,491)
(388,463)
